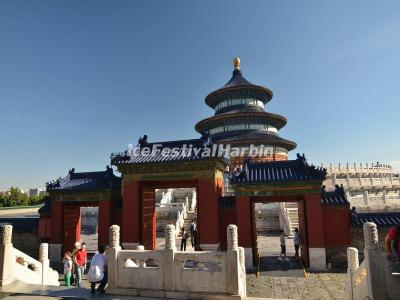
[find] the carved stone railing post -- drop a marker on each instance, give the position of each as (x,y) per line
(232,237)
(234,262)
(370,236)
(168,260)
(170,242)
(112,254)
(44,260)
(372,259)
(6,256)
(352,266)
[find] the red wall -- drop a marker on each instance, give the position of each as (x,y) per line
(104,221)
(45,227)
(57,222)
(336,225)
(243,221)
(207,211)
(314,221)
(227,216)
(131,212)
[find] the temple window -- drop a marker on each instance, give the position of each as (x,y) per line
(243,126)
(237,102)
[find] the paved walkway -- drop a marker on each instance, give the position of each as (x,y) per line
(314,286)
(287,279)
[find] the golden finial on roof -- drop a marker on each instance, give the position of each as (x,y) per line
(236,63)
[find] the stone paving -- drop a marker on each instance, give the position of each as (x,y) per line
(314,286)
(300,285)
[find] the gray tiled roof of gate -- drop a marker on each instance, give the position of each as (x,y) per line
(86,181)
(388,219)
(279,171)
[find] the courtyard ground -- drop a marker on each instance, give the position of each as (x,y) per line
(287,279)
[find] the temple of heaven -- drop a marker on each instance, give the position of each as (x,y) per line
(240,119)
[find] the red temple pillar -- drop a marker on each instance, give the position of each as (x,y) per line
(315,231)
(104,222)
(207,213)
(131,226)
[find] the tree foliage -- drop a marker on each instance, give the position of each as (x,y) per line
(17,198)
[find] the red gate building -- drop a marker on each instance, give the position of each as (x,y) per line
(205,164)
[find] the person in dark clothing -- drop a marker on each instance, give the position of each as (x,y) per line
(192,229)
(195,240)
(184,239)
(296,241)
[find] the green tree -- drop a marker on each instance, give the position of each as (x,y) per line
(16,198)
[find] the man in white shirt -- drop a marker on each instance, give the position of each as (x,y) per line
(98,271)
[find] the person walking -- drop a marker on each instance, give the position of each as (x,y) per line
(184,239)
(195,240)
(67,268)
(80,259)
(192,229)
(296,242)
(98,271)
(77,246)
(283,243)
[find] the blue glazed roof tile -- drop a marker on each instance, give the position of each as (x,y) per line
(336,197)
(182,150)
(86,181)
(384,219)
(277,171)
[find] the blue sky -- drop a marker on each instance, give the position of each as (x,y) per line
(82,79)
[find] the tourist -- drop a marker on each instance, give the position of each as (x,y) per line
(192,229)
(80,259)
(392,242)
(98,271)
(184,239)
(296,241)
(83,247)
(195,239)
(67,268)
(77,246)
(283,243)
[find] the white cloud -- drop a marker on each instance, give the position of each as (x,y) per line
(396,166)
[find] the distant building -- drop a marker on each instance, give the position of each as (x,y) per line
(369,187)
(33,192)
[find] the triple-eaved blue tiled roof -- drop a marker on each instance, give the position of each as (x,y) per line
(381,219)
(86,181)
(277,171)
(336,197)
(164,152)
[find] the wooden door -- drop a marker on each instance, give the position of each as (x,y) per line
(72,226)
(303,233)
(148,219)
